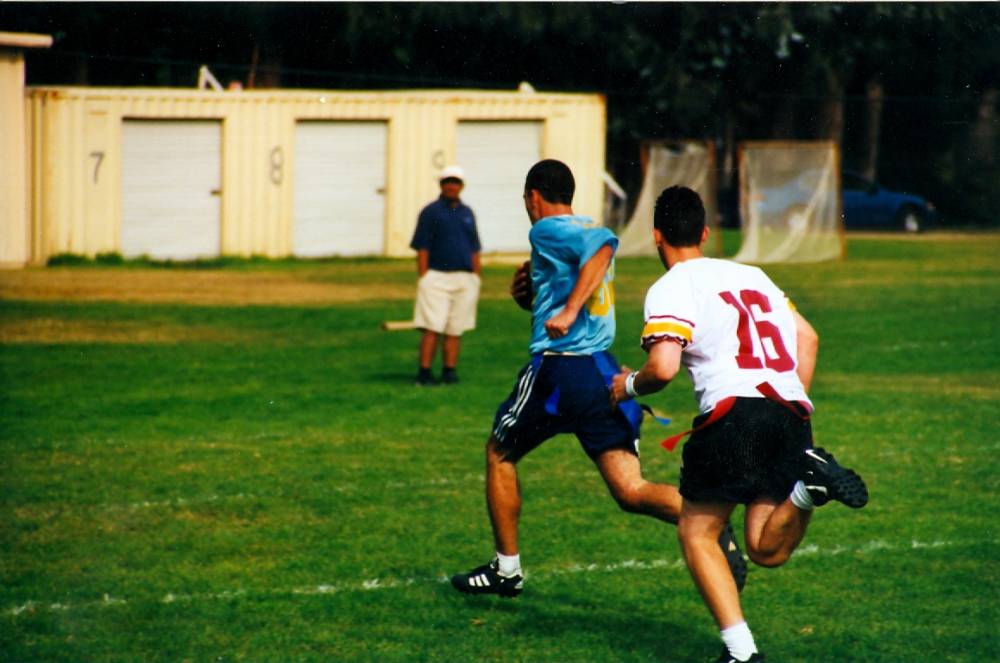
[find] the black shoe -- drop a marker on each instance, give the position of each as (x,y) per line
(734,556)
(449,376)
(425,380)
(826,480)
(487,580)
(726,657)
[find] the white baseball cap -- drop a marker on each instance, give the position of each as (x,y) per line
(450,172)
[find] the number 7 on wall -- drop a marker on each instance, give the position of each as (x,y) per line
(746,358)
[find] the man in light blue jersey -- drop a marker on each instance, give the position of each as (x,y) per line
(568,286)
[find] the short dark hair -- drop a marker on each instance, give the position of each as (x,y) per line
(553,180)
(680,216)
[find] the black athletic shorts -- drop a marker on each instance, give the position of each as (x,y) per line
(753,451)
(562,394)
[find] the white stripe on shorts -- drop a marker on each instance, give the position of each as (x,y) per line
(523,391)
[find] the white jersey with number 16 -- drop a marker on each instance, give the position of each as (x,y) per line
(735,325)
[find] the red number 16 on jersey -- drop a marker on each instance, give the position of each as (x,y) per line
(746,358)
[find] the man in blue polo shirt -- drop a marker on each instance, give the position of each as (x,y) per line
(447,246)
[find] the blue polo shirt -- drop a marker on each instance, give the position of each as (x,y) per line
(448,234)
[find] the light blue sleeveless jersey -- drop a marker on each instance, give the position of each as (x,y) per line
(560,246)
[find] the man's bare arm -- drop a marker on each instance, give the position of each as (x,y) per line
(660,368)
(807,347)
(591,275)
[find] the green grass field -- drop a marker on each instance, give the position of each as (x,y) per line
(206,472)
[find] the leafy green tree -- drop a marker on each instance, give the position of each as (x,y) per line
(727,72)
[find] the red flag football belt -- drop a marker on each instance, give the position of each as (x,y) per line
(723,407)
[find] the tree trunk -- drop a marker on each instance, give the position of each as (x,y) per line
(728,153)
(832,120)
(983,135)
(254,59)
(873,127)
(81,71)
(783,121)
(265,68)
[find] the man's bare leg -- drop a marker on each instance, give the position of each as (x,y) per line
(623,475)
(502,575)
(774,530)
(428,346)
(699,528)
(503,498)
(450,349)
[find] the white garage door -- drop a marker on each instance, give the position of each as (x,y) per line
(339,189)
(496,156)
(171,176)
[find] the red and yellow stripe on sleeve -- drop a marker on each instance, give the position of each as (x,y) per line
(659,328)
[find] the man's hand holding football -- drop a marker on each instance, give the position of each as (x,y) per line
(520,286)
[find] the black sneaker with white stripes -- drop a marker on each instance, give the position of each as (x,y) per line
(826,480)
(726,657)
(486,579)
(734,556)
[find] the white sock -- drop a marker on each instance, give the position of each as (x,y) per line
(509,565)
(739,641)
(801,498)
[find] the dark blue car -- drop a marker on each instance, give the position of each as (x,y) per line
(869,205)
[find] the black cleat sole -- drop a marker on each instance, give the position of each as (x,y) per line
(476,591)
(826,480)
(850,489)
(486,580)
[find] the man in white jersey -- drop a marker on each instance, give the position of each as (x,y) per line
(751,358)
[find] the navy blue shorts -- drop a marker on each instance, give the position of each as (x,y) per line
(754,451)
(564,394)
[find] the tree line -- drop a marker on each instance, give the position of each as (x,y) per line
(909,90)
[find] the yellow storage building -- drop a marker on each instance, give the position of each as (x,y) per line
(15,229)
(181,174)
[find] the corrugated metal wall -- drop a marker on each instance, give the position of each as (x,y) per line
(15,164)
(75,136)
(13,181)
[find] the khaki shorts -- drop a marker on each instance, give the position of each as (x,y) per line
(446,302)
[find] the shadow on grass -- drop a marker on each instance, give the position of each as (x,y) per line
(646,633)
(394,377)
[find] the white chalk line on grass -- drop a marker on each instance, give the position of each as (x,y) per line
(179,501)
(377,584)
(368,488)
(175,502)
(430,482)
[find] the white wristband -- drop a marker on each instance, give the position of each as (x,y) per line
(630,384)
